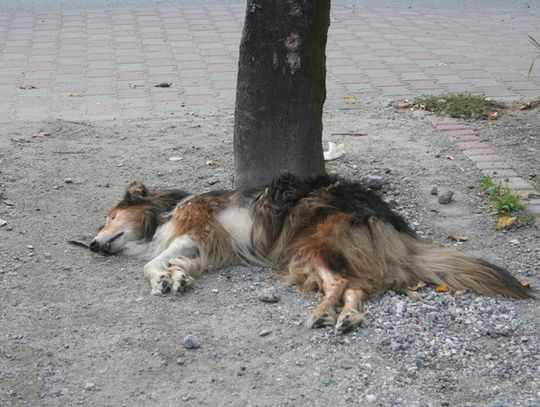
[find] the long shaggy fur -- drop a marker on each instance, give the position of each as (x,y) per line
(327,232)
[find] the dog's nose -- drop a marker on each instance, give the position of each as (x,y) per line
(94,245)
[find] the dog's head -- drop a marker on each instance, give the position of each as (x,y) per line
(135,218)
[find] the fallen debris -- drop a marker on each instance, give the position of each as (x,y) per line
(334,151)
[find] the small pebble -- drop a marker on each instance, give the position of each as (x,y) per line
(191,342)
(241,371)
(371,398)
(401,308)
(446,197)
(269,295)
(89,386)
(395,346)
(265,332)
(434,191)
(376,181)
(68,181)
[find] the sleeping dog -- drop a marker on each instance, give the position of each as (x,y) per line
(328,233)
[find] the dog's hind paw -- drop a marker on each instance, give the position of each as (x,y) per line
(161,285)
(320,319)
(349,320)
(181,281)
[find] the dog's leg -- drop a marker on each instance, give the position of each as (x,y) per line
(157,271)
(353,312)
(182,270)
(333,286)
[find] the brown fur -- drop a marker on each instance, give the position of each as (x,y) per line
(197,219)
(328,233)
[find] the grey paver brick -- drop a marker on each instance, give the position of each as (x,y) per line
(431,52)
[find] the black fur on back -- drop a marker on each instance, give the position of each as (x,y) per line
(339,196)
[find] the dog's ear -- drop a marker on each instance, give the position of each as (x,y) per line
(135,191)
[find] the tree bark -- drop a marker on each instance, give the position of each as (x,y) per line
(280,90)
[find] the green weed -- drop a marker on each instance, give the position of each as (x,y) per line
(537,45)
(459,104)
(400,288)
(527,219)
(488,183)
(504,200)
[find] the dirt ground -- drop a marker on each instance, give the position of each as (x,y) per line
(84,329)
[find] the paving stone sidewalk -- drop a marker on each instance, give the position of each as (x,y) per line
(102,65)
(94,65)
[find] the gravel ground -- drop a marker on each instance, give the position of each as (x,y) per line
(84,329)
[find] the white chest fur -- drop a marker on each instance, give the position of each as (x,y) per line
(238,223)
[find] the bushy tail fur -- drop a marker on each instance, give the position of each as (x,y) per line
(442,265)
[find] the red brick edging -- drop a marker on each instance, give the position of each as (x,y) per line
(485,157)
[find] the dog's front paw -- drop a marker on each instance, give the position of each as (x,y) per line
(181,281)
(318,319)
(349,320)
(161,285)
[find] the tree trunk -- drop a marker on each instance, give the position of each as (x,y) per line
(280,90)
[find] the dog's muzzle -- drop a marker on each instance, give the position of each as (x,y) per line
(96,247)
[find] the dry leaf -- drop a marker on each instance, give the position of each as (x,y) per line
(27,87)
(449,157)
(9,203)
(487,99)
(403,105)
(442,288)
(74,94)
(163,85)
(458,238)
(525,283)
(417,286)
(135,85)
(505,221)
(3,222)
(210,162)
(494,116)
(526,106)
(351,101)
(176,158)
(526,194)
(414,295)
(457,295)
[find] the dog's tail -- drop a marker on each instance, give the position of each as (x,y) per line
(446,266)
